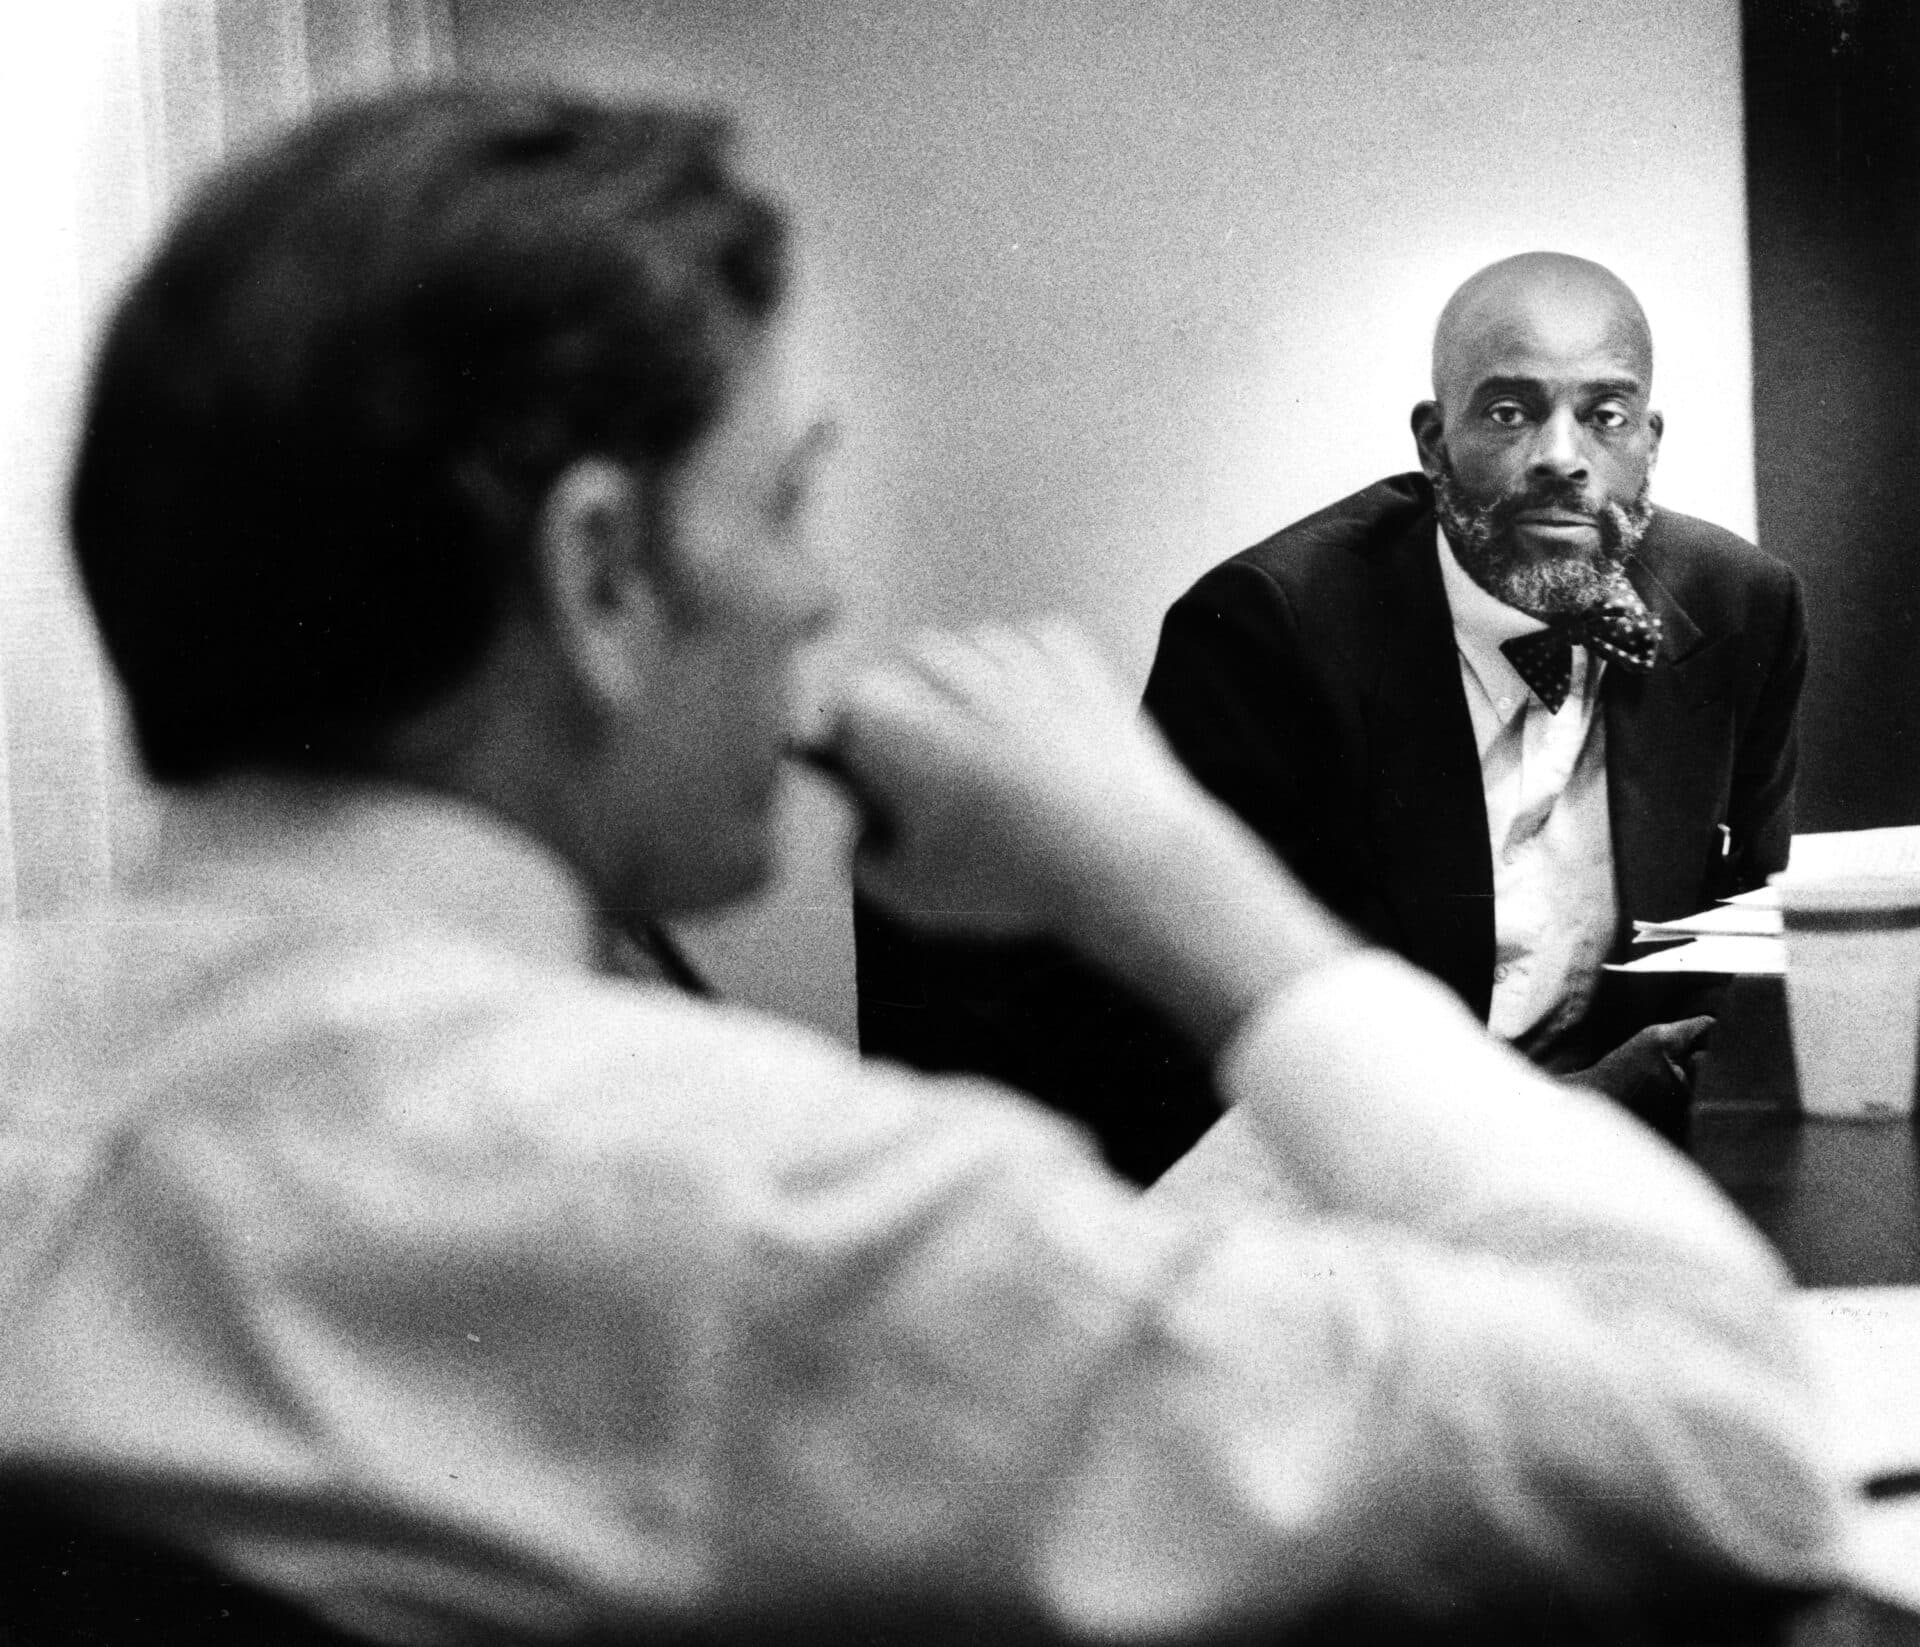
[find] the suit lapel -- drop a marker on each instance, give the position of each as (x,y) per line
(1661,787)
(1429,812)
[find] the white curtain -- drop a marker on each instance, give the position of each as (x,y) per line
(109,110)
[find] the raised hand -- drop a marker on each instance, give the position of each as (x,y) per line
(1009,776)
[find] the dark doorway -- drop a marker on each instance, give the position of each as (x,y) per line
(1833,211)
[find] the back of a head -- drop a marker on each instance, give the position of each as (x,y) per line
(325,416)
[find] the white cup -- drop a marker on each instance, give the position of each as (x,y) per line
(1853,993)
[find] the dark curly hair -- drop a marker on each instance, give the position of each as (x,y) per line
(326,414)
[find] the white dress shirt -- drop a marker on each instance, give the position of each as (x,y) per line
(1544,776)
(354,1233)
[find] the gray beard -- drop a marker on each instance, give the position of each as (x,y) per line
(1561,587)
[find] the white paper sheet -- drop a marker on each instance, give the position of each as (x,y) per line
(1846,853)
(1726,920)
(1742,956)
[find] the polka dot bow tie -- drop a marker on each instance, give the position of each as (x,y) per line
(1622,631)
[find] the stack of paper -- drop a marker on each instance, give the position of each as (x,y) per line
(1742,936)
(1851,854)
(1739,957)
(1731,919)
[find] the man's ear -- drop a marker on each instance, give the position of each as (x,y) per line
(1429,428)
(1657,425)
(599,579)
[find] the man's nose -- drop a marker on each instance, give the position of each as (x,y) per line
(1561,449)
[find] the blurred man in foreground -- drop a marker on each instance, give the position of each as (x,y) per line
(440,502)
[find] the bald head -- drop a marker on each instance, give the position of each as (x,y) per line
(1507,306)
(1540,437)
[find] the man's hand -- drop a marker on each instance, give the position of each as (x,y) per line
(1017,787)
(1007,773)
(1652,1075)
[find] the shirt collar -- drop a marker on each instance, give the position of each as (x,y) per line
(364,849)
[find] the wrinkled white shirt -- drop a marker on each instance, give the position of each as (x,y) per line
(354,1233)
(1544,776)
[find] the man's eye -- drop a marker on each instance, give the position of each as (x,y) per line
(1609,416)
(1508,414)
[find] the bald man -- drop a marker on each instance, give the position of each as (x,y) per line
(1492,712)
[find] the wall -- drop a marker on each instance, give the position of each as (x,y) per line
(1105,291)
(76,208)
(108,112)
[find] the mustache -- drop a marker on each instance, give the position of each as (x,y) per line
(1570,496)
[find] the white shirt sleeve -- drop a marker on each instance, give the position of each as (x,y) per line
(1573,1367)
(568,1307)
(994,1366)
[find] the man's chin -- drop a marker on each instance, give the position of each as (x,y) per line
(709,874)
(1553,587)
(726,879)
(1546,556)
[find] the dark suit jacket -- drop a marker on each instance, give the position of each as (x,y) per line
(1312,682)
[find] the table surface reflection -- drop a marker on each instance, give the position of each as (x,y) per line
(1840,1199)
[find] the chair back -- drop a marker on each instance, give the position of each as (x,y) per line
(66,1580)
